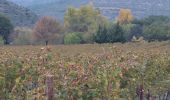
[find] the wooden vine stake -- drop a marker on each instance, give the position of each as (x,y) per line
(140,92)
(49,87)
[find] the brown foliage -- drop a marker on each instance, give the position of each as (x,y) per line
(47,28)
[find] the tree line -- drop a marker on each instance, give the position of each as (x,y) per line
(86,25)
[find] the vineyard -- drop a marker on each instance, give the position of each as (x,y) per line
(118,71)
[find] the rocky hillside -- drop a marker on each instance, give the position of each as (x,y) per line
(109,8)
(19,16)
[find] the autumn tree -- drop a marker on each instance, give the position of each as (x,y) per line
(125,16)
(47,28)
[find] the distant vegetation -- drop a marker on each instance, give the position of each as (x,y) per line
(6,28)
(87,25)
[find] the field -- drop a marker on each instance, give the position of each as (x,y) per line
(86,72)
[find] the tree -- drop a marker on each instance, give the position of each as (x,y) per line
(128,28)
(157,31)
(151,19)
(110,34)
(85,20)
(125,16)
(46,29)
(116,34)
(153,27)
(6,28)
(102,36)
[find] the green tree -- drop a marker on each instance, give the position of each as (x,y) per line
(110,34)
(116,34)
(5,28)
(73,38)
(129,31)
(101,36)
(85,19)
(157,31)
(153,27)
(151,19)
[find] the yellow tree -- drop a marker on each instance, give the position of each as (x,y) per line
(47,28)
(125,16)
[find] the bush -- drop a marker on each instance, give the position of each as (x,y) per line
(1,40)
(73,38)
(23,36)
(87,38)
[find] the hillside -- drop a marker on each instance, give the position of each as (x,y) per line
(19,16)
(50,7)
(109,8)
(140,8)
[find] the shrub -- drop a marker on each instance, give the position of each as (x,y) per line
(23,36)
(73,38)
(1,40)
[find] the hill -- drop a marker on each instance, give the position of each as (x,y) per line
(109,8)
(18,15)
(55,8)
